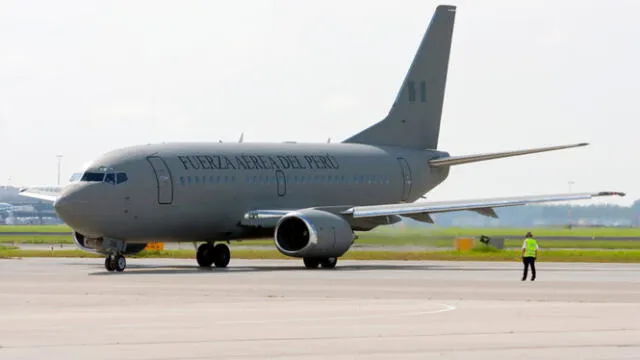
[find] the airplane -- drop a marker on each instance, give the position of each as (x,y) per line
(309,198)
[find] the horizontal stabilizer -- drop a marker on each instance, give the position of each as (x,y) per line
(458,160)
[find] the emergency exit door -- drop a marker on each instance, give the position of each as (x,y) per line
(282,183)
(163,179)
(406,179)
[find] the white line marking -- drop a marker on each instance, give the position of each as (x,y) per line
(445,308)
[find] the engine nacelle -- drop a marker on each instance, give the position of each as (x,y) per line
(105,246)
(313,233)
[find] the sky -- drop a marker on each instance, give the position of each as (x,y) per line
(79,78)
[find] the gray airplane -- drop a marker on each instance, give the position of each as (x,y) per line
(310,198)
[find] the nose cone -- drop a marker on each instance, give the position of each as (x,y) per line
(80,208)
(69,206)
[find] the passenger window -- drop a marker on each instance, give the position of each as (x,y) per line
(122,177)
(110,178)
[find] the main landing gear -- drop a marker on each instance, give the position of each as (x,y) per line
(327,263)
(115,263)
(218,255)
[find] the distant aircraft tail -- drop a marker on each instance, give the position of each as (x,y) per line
(414,118)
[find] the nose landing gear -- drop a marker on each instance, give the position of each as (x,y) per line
(115,263)
(218,255)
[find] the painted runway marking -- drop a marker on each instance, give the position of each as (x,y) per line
(445,308)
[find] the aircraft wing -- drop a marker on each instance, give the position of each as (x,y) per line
(390,213)
(46,193)
(482,206)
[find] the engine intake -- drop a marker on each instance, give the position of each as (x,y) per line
(313,233)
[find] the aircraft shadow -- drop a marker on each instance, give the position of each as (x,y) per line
(137,269)
(184,269)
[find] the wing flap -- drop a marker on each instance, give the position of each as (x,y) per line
(489,212)
(422,217)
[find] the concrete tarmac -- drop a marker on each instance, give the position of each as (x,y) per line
(170,309)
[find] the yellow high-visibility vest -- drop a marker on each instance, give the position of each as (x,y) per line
(530,246)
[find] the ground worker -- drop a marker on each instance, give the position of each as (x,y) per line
(529,255)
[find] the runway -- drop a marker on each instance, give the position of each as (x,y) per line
(169,309)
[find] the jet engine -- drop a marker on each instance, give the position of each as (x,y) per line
(313,233)
(105,246)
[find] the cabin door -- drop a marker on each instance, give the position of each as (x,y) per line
(406,179)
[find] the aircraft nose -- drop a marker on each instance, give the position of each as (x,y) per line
(73,208)
(67,206)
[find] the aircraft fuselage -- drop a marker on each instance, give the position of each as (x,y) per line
(198,192)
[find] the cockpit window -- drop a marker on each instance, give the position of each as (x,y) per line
(121,177)
(92,177)
(110,178)
(75,177)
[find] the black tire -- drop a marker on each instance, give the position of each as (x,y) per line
(221,255)
(119,263)
(204,255)
(311,263)
(107,263)
(329,263)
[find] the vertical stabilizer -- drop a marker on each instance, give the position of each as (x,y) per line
(414,119)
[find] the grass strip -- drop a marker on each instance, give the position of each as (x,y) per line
(613,256)
(35,228)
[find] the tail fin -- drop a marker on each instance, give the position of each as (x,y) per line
(414,119)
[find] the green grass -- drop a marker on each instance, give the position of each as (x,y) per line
(478,254)
(35,228)
(36,239)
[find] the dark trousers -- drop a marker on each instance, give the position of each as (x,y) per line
(529,261)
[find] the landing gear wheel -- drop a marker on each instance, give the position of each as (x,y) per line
(221,255)
(108,263)
(329,263)
(311,263)
(119,263)
(204,256)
